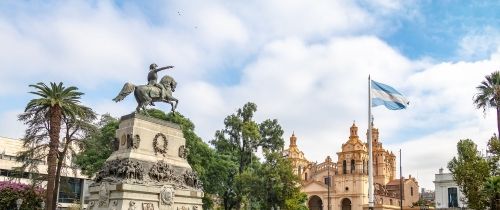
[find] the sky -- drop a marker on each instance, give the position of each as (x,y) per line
(305,63)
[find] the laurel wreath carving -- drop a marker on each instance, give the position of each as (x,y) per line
(137,141)
(156,148)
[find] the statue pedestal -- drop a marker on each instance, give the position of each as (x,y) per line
(147,171)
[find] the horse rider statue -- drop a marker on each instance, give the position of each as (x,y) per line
(154,91)
(153,78)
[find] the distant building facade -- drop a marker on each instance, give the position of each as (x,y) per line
(73,185)
(346,179)
(447,192)
(428,196)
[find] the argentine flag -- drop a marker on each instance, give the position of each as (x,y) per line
(383,94)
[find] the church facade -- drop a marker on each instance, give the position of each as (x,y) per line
(342,184)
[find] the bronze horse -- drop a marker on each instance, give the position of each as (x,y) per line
(147,94)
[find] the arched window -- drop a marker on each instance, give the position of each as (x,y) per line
(299,171)
(390,201)
(411,191)
(353,167)
(344,167)
(305,177)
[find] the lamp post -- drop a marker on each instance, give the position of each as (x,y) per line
(43,205)
(19,202)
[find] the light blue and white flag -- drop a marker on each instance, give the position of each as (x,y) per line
(383,94)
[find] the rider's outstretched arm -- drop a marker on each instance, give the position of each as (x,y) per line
(163,68)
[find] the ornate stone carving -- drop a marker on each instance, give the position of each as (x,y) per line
(148,206)
(121,169)
(156,147)
(195,207)
(191,180)
(137,141)
(92,203)
(183,151)
(103,195)
(163,172)
(167,194)
(131,205)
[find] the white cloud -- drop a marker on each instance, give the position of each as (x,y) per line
(480,43)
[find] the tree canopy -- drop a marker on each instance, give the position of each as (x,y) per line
(470,171)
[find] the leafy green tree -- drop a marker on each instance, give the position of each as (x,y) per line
(492,191)
(488,95)
(239,140)
(97,146)
(44,116)
(470,171)
(282,185)
(494,157)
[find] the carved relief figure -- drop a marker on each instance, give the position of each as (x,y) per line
(167,195)
(191,180)
(103,195)
(131,205)
(162,172)
(183,152)
(148,206)
(124,169)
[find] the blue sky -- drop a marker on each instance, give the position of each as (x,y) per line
(304,63)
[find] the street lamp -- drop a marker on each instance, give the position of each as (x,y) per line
(43,205)
(19,202)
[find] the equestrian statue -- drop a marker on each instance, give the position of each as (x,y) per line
(153,91)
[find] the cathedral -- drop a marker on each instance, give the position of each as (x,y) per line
(343,184)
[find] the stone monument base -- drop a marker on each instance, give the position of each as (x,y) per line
(148,169)
(141,197)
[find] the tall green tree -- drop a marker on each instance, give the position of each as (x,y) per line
(488,95)
(239,140)
(470,171)
(281,186)
(44,117)
(494,155)
(97,145)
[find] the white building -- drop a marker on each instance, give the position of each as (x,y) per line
(73,185)
(447,192)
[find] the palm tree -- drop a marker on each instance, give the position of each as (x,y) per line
(488,95)
(55,103)
(492,191)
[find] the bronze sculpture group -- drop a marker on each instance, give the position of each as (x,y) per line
(152,92)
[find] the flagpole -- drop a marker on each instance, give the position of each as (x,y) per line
(400,181)
(370,153)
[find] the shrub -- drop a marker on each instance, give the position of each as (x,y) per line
(11,191)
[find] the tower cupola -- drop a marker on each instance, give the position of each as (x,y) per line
(354,131)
